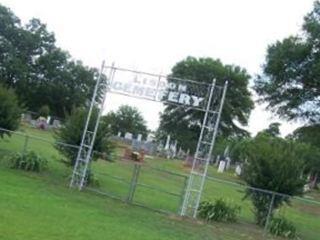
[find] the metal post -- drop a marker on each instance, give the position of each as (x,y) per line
(183,193)
(134,181)
(211,147)
(269,213)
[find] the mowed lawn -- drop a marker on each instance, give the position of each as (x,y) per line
(41,206)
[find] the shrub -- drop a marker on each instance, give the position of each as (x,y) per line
(279,226)
(219,211)
(44,111)
(273,164)
(30,161)
(72,130)
(10,112)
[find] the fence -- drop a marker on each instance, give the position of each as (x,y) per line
(159,185)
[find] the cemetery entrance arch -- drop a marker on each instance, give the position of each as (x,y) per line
(188,95)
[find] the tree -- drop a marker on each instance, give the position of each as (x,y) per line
(184,124)
(273,164)
(38,71)
(291,80)
(10,111)
(127,119)
(310,136)
(273,130)
(72,130)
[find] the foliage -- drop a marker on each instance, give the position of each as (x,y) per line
(273,130)
(279,226)
(28,161)
(273,164)
(44,111)
(310,137)
(290,84)
(126,119)
(39,71)
(219,210)
(72,131)
(10,112)
(184,124)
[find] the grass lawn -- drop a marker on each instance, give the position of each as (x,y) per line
(40,206)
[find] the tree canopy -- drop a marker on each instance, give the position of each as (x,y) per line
(291,80)
(40,72)
(184,125)
(10,111)
(126,119)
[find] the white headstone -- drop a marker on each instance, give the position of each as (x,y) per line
(128,136)
(228,163)
(139,138)
(150,137)
(119,134)
(48,119)
(167,146)
(222,165)
(238,170)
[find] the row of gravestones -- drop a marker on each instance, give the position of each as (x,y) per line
(41,122)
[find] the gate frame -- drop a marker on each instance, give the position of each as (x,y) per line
(210,122)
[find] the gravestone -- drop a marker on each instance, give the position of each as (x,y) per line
(228,162)
(119,134)
(139,138)
(222,166)
(150,137)
(56,123)
(238,170)
(167,146)
(48,120)
(128,136)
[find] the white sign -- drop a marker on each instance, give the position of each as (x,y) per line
(154,88)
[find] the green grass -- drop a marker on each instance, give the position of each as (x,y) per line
(40,206)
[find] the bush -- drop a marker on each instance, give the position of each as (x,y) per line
(219,211)
(30,161)
(44,111)
(72,130)
(273,164)
(279,226)
(10,112)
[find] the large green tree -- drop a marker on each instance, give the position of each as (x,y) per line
(310,135)
(184,124)
(291,80)
(10,111)
(126,119)
(39,72)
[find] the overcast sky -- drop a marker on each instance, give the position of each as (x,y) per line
(153,35)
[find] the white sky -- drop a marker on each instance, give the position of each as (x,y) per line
(153,35)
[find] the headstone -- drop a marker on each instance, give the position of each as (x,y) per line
(56,123)
(174,149)
(150,137)
(119,134)
(228,163)
(222,166)
(167,146)
(128,136)
(238,170)
(48,119)
(139,138)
